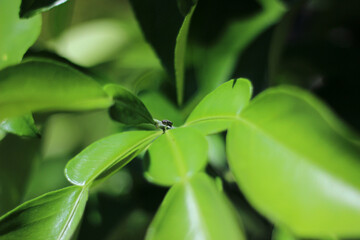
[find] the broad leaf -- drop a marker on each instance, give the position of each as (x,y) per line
(177,155)
(180,52)
(295,161)
(54,215)
(31,7)
(47,86)
(107,155)
(219,108)
(22,126)
(195,209)
(16,35)
(128,108)
(282,234)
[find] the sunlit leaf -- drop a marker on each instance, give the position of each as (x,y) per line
(22,126)
(105,156)
(47,86)
(218,109)
(177,155)
(282,234)
(31,7)
(128,108)
(54,215)
(295,161)
(180,52)
(195,209)
(16,35)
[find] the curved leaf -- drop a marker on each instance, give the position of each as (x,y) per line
(107,154)
(128,108)
(180,52)
(46,86)
(177,155)
(294,161)
(54,215)
(16,35)
(31,7)
(219,108)
(195,209)
(22,126)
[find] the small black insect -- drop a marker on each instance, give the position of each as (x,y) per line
(167,123)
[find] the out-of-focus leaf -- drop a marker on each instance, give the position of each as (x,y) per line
(93,42)
(281,234)
(195,209)
(176,155)
(162,108)
(29,8)
(218,61)
(46,86)
(23,126)
(107,155)
(217,152)
(128,108)
(17,161)
(180,52)
(295,161)
(160,21)
(186,5)
(218,109)
(16,35)
(54,215)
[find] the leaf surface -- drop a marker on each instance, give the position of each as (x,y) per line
(195,209)
(177,155)
(47,86)
(219,108)
(128,108)
(107,154)
(54,215)
(23,126)
(17,35)
(295,161)
(180,55)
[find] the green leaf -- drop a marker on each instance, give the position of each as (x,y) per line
(282,234)
(107,155)
(31,7)
(128,108)
(162,108)
(218,109)
(295,161)
(177,155)
(23,126)
(195,209)
(218,61)
(54,215)
(16,35)
(180,52)
(185,6)
(47,86)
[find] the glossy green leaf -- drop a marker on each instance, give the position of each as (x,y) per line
(180,52)
(195,209)
(105,156)
(218,109)
(296,164)
(47,86)
(16,35)
(22,126)
(31,7)
(161,108)
(128,108)
(177,155)
(218,61)
(54,215)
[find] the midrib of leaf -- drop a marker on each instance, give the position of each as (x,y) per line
(177,156)
(70,219)
(124,155)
